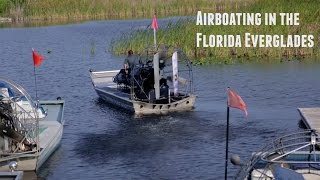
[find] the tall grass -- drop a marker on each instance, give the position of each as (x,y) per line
(183,33)
(118,9)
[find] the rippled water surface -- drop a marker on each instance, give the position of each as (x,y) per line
(104,142)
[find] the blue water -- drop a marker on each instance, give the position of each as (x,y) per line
(104,142)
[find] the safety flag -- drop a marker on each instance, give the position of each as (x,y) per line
(154,24)
(235,101)
(37,59)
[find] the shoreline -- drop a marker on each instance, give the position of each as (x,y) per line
(5,20)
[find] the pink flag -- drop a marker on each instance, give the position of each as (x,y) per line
(235,101)
(154,24)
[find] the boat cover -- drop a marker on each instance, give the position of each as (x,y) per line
(281,173)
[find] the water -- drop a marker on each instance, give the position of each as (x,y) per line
(104,142)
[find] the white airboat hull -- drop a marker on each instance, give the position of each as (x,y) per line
(107,90)
(294,156)
(186,104)
(50,134)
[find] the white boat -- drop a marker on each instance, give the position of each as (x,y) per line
(29,131)
(294,156)
(157,85)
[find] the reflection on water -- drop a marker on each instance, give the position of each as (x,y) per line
(104,142)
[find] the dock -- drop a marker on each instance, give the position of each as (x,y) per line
(310,117)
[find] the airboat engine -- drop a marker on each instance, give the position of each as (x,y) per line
(18,119)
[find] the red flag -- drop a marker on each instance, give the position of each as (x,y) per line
(235,101)
(37,59)
(154,24)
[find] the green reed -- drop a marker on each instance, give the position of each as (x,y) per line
(183,34)
(114,9)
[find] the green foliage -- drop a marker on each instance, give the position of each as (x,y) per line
(116,9)
(4,6)
(183,34)
(18,2)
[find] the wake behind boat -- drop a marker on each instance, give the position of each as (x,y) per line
(29,131)
(155,85)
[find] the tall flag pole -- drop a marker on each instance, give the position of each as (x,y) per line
(37,59)
(227,145)
(234,101)
(154,26)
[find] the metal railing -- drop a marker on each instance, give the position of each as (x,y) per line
(282,151)
(25,121)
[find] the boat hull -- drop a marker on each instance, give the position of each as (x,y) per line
(185,104)
(24,163)
(144,108)
(114,99)
(47,152)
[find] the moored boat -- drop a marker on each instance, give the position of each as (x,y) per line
(29,131)
(156,85)
(294,156)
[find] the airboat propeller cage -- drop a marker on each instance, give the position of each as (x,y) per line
(7,91)
(28,135)
(22,132)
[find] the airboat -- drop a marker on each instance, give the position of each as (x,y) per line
(156,85)
(294,156)
(29,131)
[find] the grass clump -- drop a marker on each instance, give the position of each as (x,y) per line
(183,34)
(51,10)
